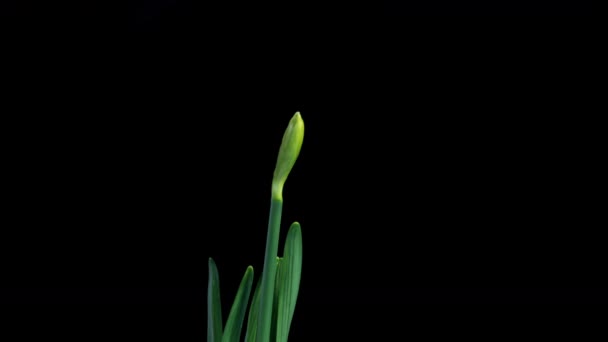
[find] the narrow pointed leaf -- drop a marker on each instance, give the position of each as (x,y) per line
(214,305)
(252,321)
(275,303)
(234,324)
(290,274)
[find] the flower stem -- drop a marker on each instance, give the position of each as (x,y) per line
(288,154)
(270,269)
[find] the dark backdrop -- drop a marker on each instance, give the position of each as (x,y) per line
(491,8)
(164,14)
(443,185)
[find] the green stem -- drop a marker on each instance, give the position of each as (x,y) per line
(270,269)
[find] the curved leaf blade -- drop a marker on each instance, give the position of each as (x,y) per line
(289,281)
(252,321)
(275,301)
(234,324)
(214,305)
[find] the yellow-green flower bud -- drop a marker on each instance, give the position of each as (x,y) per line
(288,154)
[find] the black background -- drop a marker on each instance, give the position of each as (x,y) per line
(491,8)
(445,177)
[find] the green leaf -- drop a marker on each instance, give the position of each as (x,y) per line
(234,324)
(275,301)
(254,311)
(214,305)
(289,281)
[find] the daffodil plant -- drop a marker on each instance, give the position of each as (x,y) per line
(275,295)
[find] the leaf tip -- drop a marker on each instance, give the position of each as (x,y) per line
(296,226)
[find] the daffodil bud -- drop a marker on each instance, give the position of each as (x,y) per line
(288,154)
